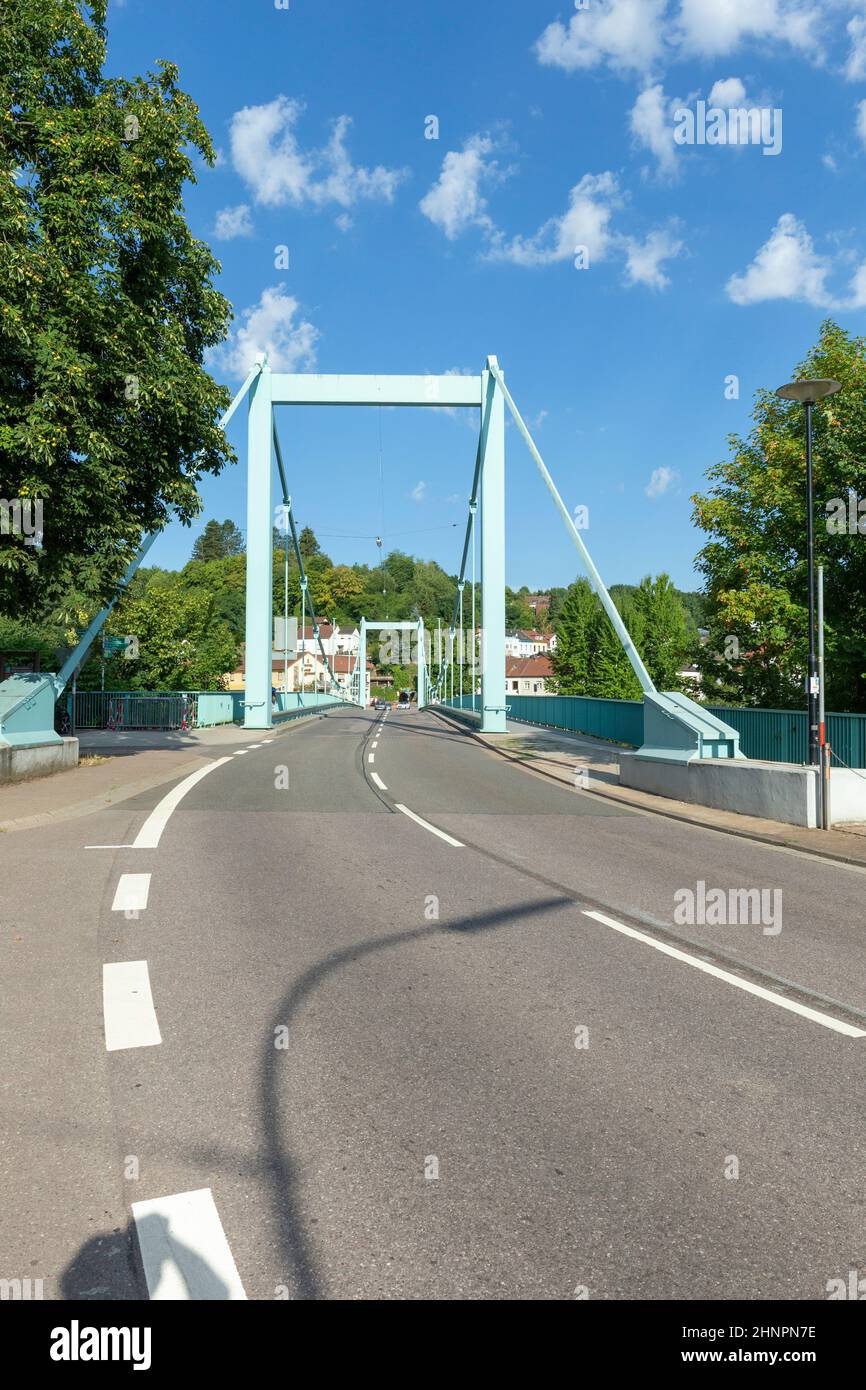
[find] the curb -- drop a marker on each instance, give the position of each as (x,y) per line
(659,811)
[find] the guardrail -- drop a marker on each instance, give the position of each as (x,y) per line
(770,735)
(178,709)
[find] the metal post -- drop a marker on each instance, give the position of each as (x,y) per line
(461,644)
(472,509)
(303,641)
(810,549)
(824,791)
(260,558)
(492,551)
(362,665)
(286,617)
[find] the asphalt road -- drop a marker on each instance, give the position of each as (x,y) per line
(409,1066)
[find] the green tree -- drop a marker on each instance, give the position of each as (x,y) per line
(665,647)
(107,305)
(754,561)
(571,657)
(611,676)
(218,541)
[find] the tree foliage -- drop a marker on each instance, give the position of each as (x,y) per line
(755,562)
(107,305)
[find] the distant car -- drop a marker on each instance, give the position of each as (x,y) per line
(380,704)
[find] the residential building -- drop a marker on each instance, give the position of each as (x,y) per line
(528,675)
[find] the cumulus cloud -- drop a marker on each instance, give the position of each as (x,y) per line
(585,223)
(455,201)
(233,222)
(268,157)
(651,122)
(661,481)
(625,34)
(644,258)
(787,266)
(727,92)
(713,28)
(274,326)
(855,67)
(419,491)
(645,35)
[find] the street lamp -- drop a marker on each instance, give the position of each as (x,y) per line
(807,393)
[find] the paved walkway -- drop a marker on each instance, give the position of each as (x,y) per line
(115,766)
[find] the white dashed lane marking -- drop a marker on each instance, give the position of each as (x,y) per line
(184,1249)
(131,893)
(127,1006)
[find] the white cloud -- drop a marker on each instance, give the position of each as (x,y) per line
(651,121)
(266,154)
(727,92)
(830,163)
(861,121)
(644,258)
(787,266)
(419,491)
(712,28)
(661,480)
(233,222)
(585,223)
(455,202)
(344,222)
(270,327)
(855,68)
(626,34)
(645,35)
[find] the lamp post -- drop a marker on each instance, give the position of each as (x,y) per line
(807,393)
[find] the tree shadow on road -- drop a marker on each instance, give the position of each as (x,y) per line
(279,1165)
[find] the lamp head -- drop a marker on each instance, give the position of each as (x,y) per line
(808,392)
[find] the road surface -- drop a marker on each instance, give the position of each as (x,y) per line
(394,1056)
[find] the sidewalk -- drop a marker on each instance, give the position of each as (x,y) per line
(593,765)
(115,766)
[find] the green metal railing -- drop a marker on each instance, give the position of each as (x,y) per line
(132,709)
(771,735)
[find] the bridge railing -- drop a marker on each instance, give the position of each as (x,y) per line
(771,735)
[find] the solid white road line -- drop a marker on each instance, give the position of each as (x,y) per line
(184,1248)
(449,839)
(127,1006)
(131,894)
(149,834)
(109,846)
(378,780)
(824,1019)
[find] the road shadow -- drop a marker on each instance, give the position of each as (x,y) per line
(281,1168)
(111,1266)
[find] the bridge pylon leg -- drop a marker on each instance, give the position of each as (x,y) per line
(258,676)
(493,711)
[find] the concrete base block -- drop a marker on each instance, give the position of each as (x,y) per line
(20,761)
(774,791)
(847,796)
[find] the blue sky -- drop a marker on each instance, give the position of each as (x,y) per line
(560,127)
